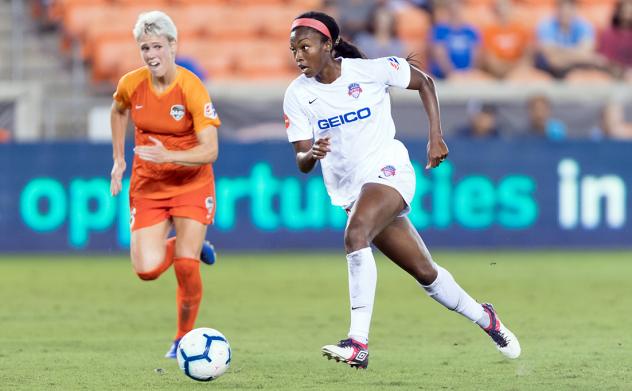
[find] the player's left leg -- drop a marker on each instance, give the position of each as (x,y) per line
(376,206)
(401,243)
(190,238)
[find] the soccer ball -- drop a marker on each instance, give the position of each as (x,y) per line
(203,354)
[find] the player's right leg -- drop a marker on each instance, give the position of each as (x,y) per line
(402,244)
(150,251)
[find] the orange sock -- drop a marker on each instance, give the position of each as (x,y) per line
(189,293)
(153,274)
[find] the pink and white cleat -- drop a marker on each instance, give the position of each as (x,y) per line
(504,339)
(349,351)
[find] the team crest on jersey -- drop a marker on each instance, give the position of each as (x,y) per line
(388,170)
(354,90)
(177,112)
(209,111)
(394,63)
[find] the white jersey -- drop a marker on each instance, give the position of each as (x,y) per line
(355,111)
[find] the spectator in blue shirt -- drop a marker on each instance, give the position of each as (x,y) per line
(541,122)
(566,41)
(455,45)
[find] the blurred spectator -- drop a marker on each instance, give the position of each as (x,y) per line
(566,41)
(380,39)
(615,43)
(455,45)
(505,43)
(612,124)
(541,124)
(482,121)
(354,14)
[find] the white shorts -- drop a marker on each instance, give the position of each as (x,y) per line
(395,171)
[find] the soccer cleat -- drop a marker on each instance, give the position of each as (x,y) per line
(208,254)
(173,350)
(349,351)
(504,339)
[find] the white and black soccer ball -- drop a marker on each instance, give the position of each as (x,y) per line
(204,354)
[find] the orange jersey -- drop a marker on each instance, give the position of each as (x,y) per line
(172,116)
(507,42)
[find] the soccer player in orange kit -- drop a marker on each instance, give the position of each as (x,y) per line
(172,184)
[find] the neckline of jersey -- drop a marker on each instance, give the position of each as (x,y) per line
(338,79)
(169,87)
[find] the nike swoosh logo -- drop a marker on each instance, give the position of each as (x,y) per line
(381,177)
(312,101)
(139,107)
(357,308)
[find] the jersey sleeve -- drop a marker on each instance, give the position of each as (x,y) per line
(392,71)
(296,120)
(123,92)
(200,105)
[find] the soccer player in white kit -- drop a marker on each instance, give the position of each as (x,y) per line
(338,112)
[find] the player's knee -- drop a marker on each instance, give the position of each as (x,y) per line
(147,267)
(147,276)
(425,274)
(356,237)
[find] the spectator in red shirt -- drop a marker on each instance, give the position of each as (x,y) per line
(615,43)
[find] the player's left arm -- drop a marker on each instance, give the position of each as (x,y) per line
(422,82)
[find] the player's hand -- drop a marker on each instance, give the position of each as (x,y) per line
(156,153)
(116,181)
(321,147)
(437,152)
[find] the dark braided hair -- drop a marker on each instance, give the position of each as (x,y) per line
(341,48)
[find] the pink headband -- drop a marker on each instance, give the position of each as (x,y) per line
(313,23)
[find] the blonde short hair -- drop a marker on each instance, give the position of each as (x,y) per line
(155,23)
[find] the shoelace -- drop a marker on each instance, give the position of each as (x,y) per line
(344,343)
(499,338)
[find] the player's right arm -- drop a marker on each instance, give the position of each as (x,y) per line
(299,132)
(119,116)
(308,152)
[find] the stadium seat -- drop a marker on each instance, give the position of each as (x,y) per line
(279,19)
(113,57)
(216,57)
(234,22)
(57,8)
(263,58)
(188,19)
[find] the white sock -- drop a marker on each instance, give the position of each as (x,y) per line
(447,292)
(362,281)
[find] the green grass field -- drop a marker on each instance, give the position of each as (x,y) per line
(88,323)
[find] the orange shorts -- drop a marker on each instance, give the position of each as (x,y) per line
(198,204)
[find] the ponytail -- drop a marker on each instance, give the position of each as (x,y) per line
(346,49)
